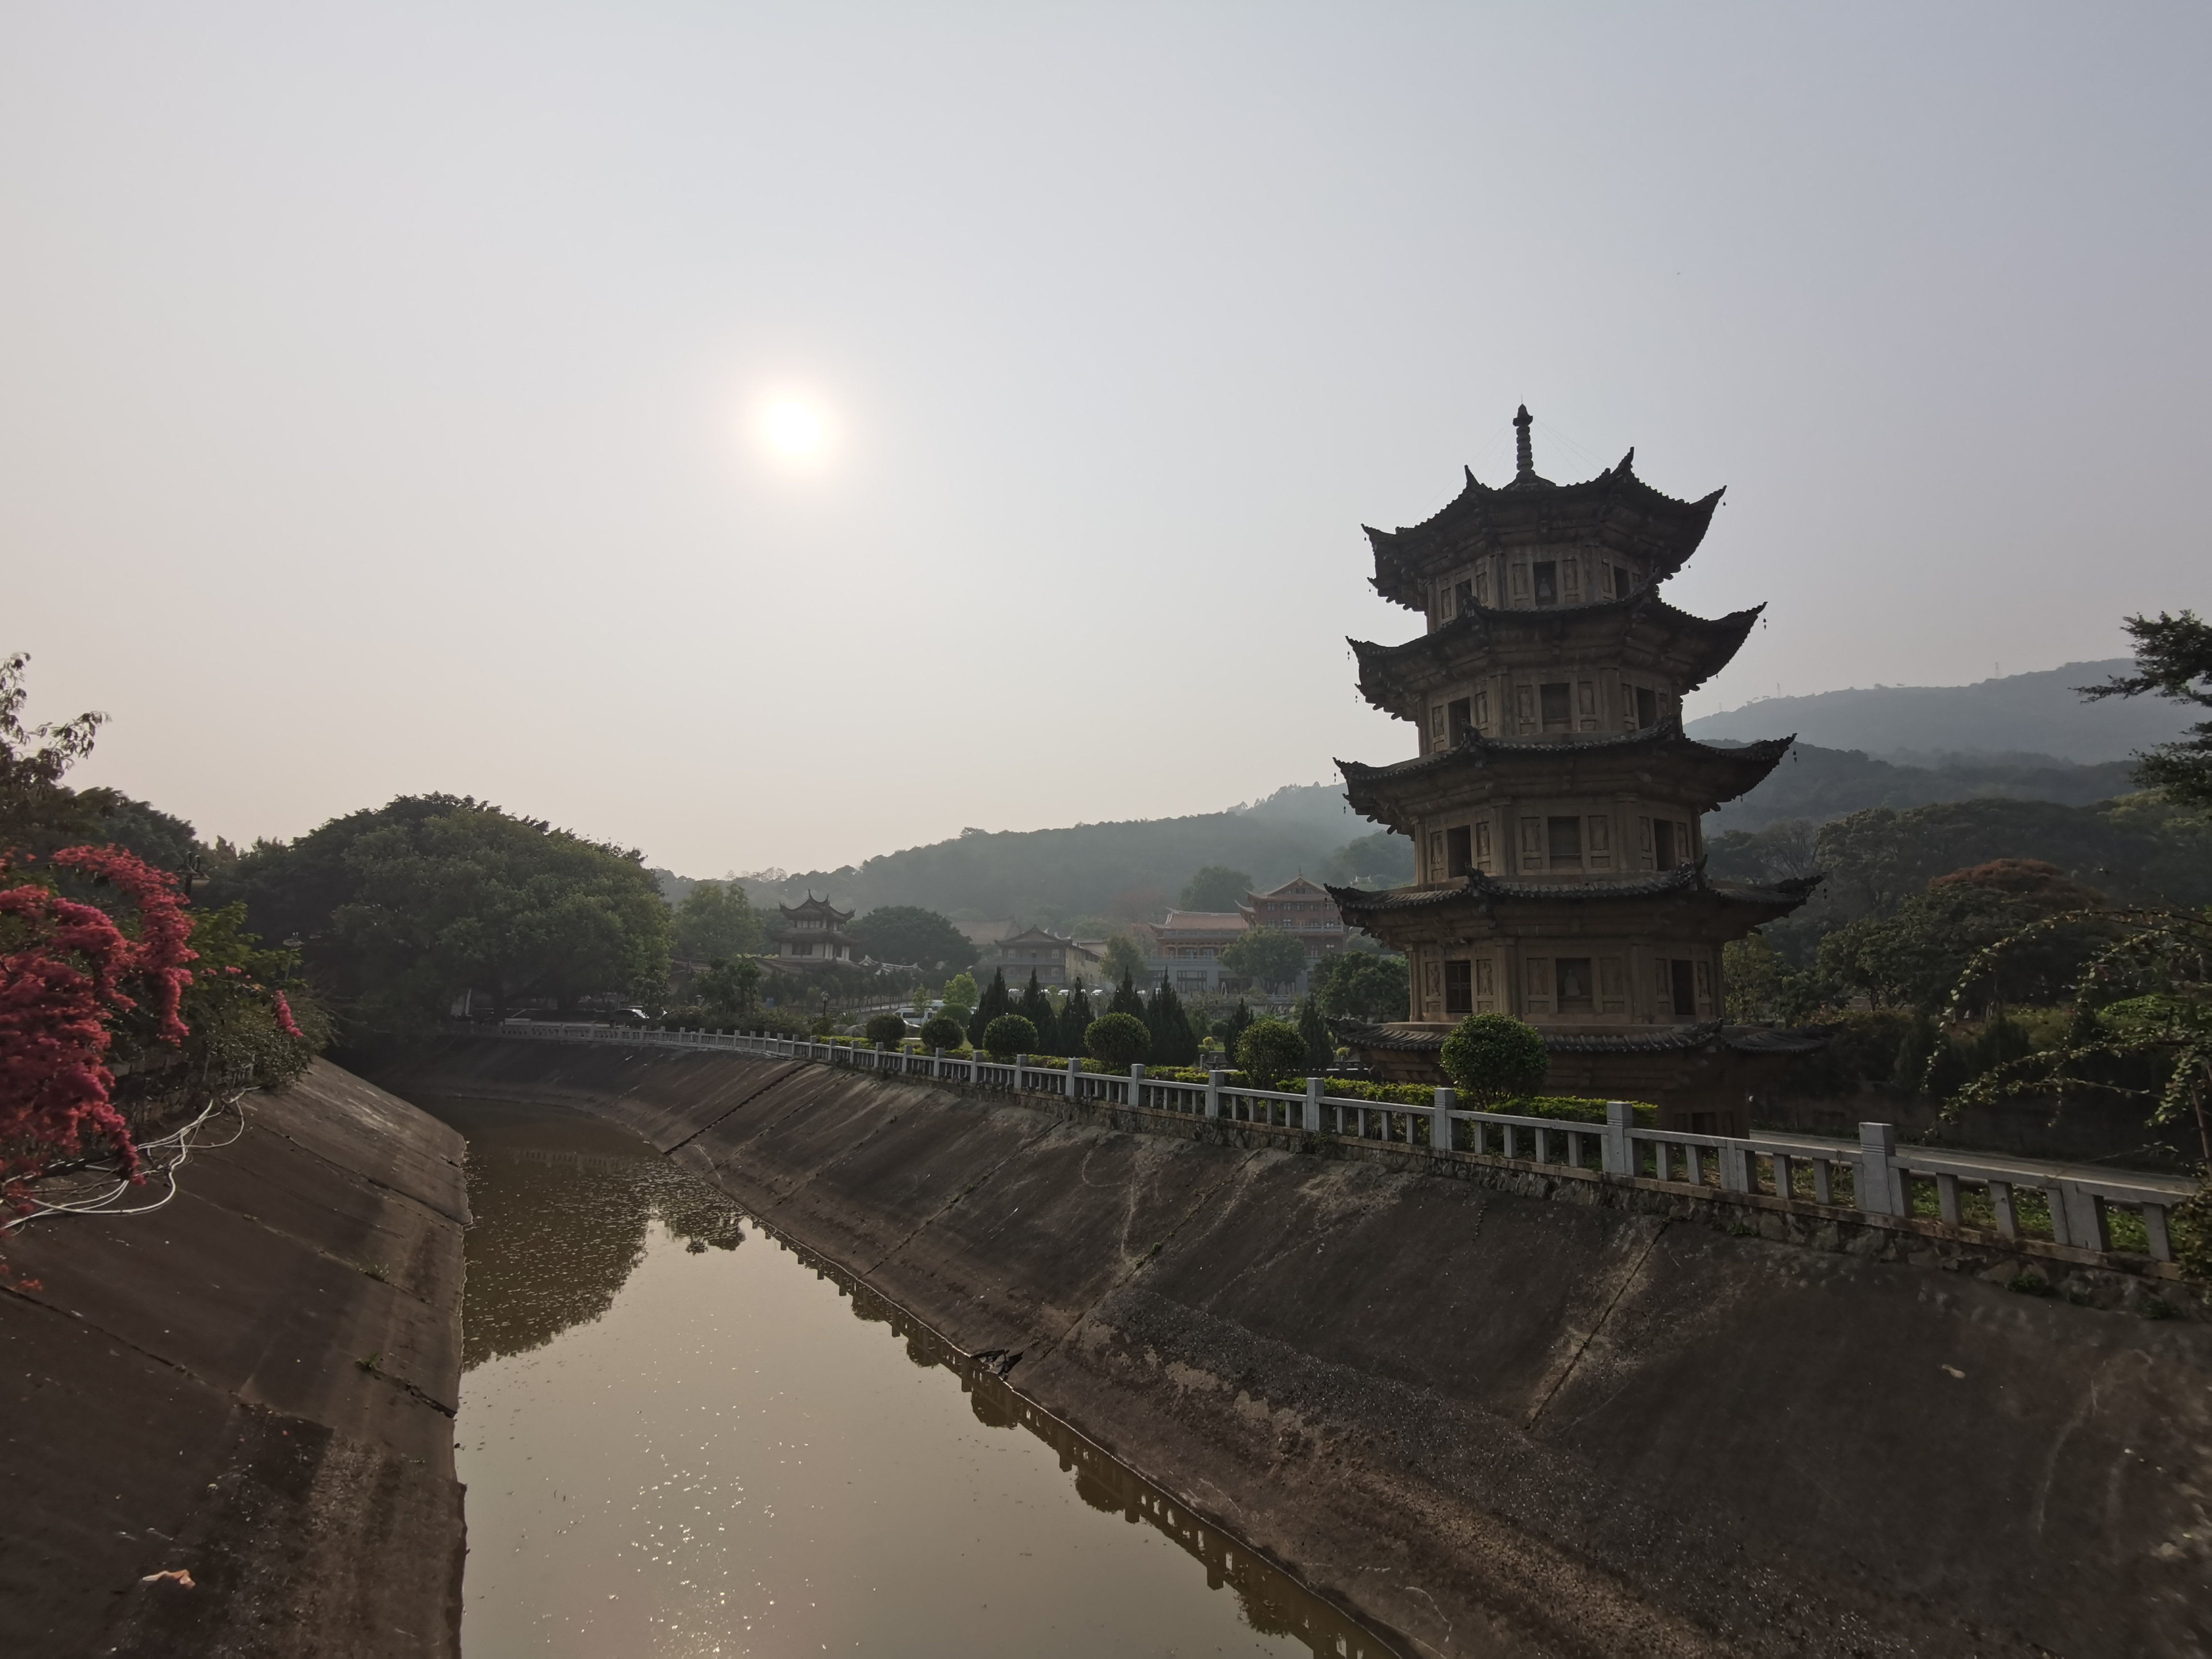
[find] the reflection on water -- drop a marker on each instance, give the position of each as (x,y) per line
(682,1437)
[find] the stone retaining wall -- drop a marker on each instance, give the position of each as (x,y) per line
(1482,1419)
(253,1384)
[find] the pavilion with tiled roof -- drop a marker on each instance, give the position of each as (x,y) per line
(1554,804)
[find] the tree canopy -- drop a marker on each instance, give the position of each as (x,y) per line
(1265,955)
(405,908)
(908,934)
(1217,887)
(717,919)
(1363,985)
(2173,660)
(1493,1058)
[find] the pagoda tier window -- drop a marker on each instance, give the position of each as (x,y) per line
(1558,701)
(1547,574)
(1646,707)
(1459,988)
(1461,714)
(1680,986)
(1571,976)
(1458,856)
(1463,597)
(1622,582)
(1562,838)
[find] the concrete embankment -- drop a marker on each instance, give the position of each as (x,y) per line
(254,1385)
(1490,1421)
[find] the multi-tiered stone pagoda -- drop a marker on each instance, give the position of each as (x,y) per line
(1555,803)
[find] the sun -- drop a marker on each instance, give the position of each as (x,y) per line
(793,428)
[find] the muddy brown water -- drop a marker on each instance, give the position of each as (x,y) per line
(683,1437)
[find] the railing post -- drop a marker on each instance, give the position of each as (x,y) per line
(1137,1084)
(1021,1072)
(1881,1184)
(878,1062)
(1213,1092)
(937,1064)
(1440,1127)
(1314,1086)
(1074,1077)
(2155,1234)
(2085,1217)
(1736,1167)
(1618,1150)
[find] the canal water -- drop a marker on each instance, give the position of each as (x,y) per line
(683,1437)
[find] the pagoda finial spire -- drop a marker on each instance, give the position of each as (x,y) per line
(1523,455)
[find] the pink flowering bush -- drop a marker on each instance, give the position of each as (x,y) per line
(68,974)
(78,982)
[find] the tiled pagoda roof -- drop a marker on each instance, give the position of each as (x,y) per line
(1573,763)
(1643,630)
(1616,509)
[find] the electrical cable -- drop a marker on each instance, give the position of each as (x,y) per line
(179,1140)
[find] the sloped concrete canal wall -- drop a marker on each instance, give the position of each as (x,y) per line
(1489,1422)
(253,1384)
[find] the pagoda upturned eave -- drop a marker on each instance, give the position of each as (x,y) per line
(1616,509)
(1683,878)
(1658,762)
(1640,632)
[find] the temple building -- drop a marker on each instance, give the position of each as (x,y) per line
(811,935)
(1057,962)
(1302,909)
(1554,804)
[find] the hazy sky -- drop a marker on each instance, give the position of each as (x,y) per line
(381,387)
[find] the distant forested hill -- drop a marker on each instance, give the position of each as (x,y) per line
(1133,870)
(1820,784)
(1129,871)
(2020,715)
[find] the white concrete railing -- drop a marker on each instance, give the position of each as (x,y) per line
(1881,1180)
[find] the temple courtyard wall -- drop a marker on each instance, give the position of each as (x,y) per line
(1488,1411)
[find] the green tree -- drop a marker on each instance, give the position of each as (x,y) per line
(888,1030)
(960,995)
(1494,1058)
(1118,1041)
(1320,1046)
(1036,1006)
(1756,981)
(1230,1031)
(1913,957)
(2142,1027)
(908,933)
(717,919)
(1074,1021)
(726,991)
(1267,956)
(943,1032)
(1007,1036)
(1362,985)
(1272,1052)
(405,908)
(32,760)
(1127,999)
(996,1000)
(1174,1042)
(2173,660)
(1124,957)
(1216,888)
